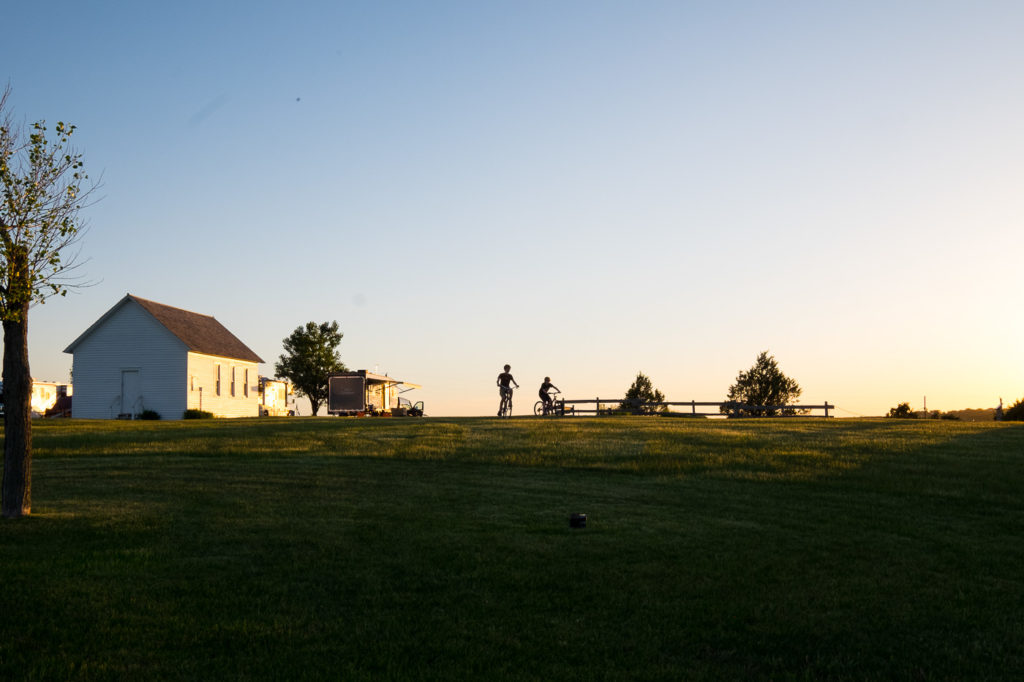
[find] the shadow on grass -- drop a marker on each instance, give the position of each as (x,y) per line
(440,549)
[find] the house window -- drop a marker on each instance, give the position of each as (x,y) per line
(245,388)
(232,381)
(217,379)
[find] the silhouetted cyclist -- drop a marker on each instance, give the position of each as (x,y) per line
(544,395)
(505,391)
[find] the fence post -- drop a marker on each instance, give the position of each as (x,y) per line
(693,407)
(826,408)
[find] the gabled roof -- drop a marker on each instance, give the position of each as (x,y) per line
(200,333)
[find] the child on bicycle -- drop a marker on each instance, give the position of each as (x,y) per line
(504,379)
(545,396)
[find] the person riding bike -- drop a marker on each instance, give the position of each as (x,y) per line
(505,390)
(545,396)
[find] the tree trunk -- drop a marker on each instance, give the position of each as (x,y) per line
(17,481)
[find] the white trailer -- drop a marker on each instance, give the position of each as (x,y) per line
(274,395)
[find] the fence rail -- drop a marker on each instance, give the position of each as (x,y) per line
(733,408)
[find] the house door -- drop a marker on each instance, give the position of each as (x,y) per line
(131,391)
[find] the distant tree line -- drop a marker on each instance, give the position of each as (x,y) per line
(1015,412)
(904,411)
(764,385)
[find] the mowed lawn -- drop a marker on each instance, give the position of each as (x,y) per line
(441,549)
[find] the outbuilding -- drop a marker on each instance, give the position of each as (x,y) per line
(274,398)
(143,356)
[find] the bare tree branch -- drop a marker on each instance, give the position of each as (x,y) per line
(44,190)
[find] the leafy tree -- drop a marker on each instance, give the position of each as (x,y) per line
(310,358)
(764,384)
(640,394)
(902,411)
(44,189)
(1015,412)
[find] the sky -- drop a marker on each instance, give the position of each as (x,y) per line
(582,189)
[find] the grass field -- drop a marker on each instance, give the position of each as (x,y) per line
(441,549)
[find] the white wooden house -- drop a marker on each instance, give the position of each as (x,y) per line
(142,355)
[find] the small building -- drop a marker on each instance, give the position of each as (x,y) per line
(44,396)
(147,356)
(61,408)
(274,394)
(363,392)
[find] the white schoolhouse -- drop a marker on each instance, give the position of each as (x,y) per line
(144,356)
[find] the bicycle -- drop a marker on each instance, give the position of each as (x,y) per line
(505,409)
(543,408)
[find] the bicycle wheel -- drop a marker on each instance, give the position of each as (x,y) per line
(538,408)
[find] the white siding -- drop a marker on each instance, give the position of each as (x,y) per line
(130,339)
(202,386)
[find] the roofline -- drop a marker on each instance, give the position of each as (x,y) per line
(226,357)
(136,299)
(142,301)
(103,318)
(377,378)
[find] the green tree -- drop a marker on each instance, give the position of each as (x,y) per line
(639,396)
(762,385)
(902,411)
(44,189)
(310,358)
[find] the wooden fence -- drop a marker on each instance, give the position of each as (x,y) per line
(733,408)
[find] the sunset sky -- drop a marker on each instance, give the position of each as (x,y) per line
(584,190)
